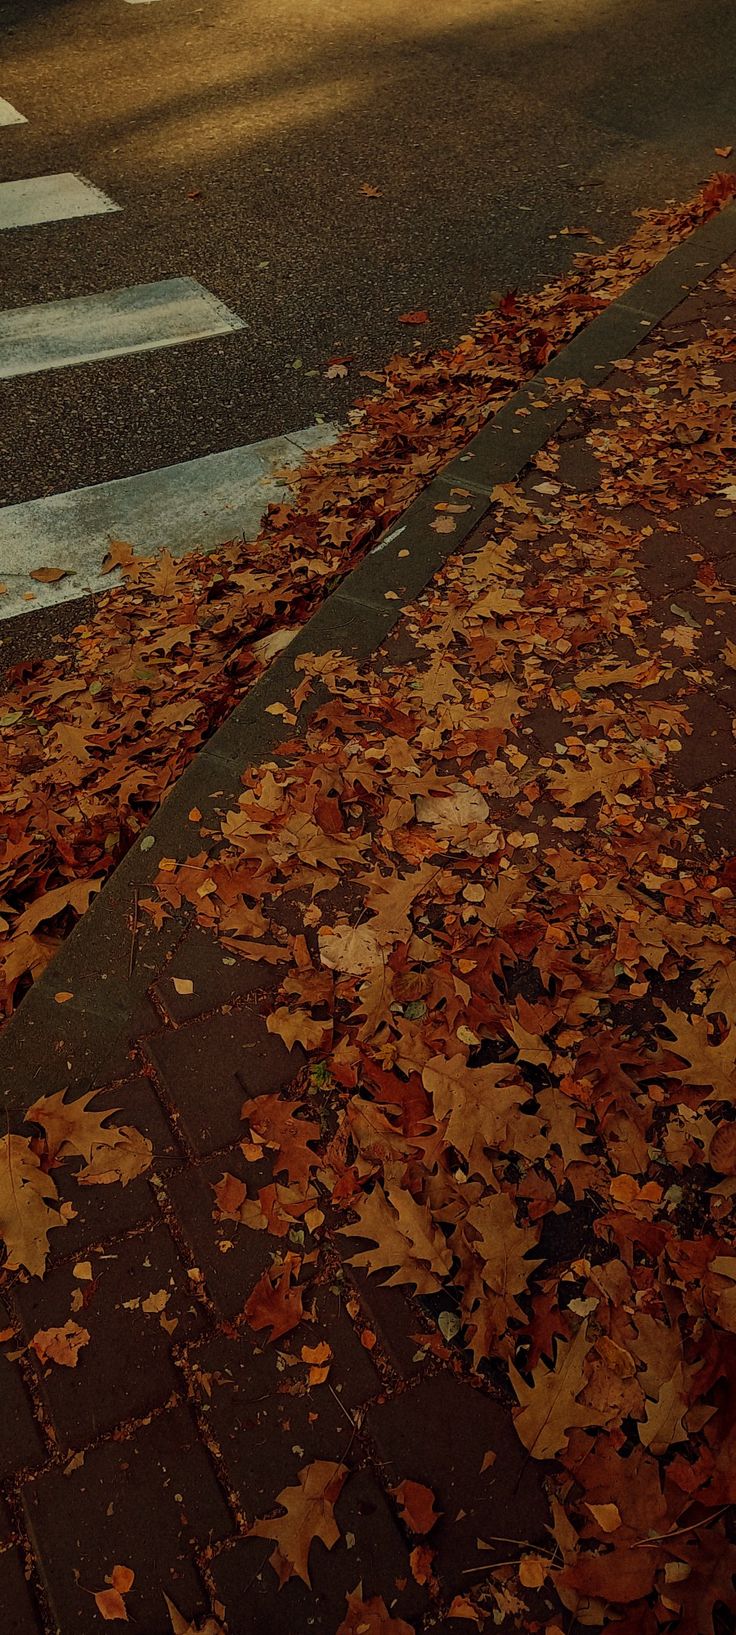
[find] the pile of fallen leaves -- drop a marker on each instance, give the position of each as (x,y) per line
(516,976)
(92,736)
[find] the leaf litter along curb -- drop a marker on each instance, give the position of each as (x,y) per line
(530,1088)
(92,737)
(511,1047)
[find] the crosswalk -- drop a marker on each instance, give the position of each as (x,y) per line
(195,504)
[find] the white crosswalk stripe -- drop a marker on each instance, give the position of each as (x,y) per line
(56,334)
(9,115)
(196,504)
(63,197)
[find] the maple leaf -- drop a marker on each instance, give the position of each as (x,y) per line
(309,1514)
(459,808)
(550,1407)
(370,1617)
(406,1238)
(416,1506)
(26,1218)
(60,1345)
(354,950)
(273,1303)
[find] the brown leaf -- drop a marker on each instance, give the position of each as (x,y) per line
(416,1506)
(309,1514)
(298,1027)
(414,318)
(370,1617)
(49,576)
(550,1407)
(274,1303)
(26,1215)
(61,1345)
(111,1605)
(72,1130)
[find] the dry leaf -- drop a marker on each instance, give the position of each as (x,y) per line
(60,1345)
(309,1514)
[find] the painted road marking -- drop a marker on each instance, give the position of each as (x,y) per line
(50,198)
(56,334)
(9,115)
(197,504)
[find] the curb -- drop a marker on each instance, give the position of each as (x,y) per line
(106,968)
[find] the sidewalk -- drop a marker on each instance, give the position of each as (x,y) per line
(385,1284)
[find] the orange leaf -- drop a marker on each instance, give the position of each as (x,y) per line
(273,1303)
(49,576)
(309,1514)
(416,1506)
(111,1605)
(414,318)
(60,1345)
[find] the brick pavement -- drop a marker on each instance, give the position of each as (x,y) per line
(179,1426)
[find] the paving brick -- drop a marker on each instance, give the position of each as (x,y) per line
(103,1212)
(149,1502)
(438,1432)
(717,820)
(715,533)
(218,977)
(21,1447)
(709,750)
(266,1419)
(663,562)
(17,1610)
(126,1369)
(370,1549)
(578,466)
(209,1067)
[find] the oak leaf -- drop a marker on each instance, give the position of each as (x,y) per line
(72,1130)
(26,1215)
(298,1028)
(406,1238)
(274,1303)
(479,1105)
(275,1124)
(550,1408)
(309,1514)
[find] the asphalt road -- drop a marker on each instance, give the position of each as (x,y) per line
(486,125)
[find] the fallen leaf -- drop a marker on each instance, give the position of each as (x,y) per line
(414,318)
(308,1514)
(274,1303)
(60,1345)
(416,1506)
(49,576)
